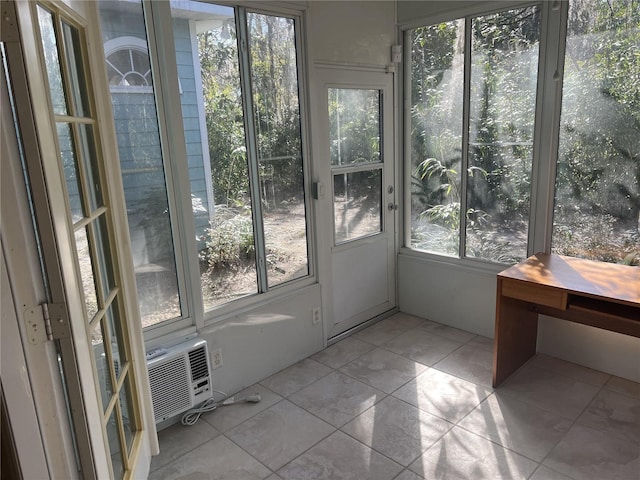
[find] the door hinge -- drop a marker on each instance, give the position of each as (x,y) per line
(46,322)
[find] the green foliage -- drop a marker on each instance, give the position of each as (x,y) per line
(589,237)
(229,240)
(599,164)
(598,171)
(276,111)
(224,116)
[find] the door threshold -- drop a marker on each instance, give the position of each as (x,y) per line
(362,326)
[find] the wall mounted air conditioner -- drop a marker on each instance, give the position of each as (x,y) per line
(179,376)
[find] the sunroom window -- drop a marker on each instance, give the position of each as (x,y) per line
(597,198)
(231,201)
(473,96)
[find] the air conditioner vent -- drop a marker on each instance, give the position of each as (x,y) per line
(179,378)
(169,388)
(199,364)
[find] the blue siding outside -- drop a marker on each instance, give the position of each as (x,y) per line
(137,132)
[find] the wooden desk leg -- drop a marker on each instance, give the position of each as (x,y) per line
(515,337)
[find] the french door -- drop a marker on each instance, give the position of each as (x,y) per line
(71,165)
(357,194)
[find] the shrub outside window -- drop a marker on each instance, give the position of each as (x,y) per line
(473,97)
(241,160)
(597,198)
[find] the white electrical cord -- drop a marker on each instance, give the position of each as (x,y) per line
(193,415)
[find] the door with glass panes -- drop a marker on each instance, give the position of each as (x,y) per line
(79,215)
(357,193)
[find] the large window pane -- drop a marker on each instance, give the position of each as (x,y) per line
(437,79)
(274,81)
(504,70)
(141,161)
(597,200)
(215,134)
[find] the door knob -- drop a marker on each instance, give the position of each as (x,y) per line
(392,206)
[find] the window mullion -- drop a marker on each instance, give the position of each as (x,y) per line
(252,148)
(464,164)
(172,144)
(547,125)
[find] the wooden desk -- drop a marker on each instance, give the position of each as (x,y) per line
(599,294)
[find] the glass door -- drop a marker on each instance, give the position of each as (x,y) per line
(76,196)
(355,132)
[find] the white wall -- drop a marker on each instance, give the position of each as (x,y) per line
(351,32)
(465,298)
(264,340)
(454,295)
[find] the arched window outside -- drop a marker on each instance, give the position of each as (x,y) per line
(128,66)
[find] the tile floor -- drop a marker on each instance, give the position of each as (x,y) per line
(408,399)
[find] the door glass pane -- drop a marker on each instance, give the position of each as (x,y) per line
(118,351)
(102,365)
(113,436)
(357,204)
(52,61)
(354,126)
(86,273)
(597,198)
(274,81)
(103,254)
(141,162)
(71,171)
(504,72)
(437,81)
(126,400)
(74,67)
(88,153)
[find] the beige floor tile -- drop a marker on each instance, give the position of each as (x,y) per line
(296,377)
(408,475)
(388,329)
(179,439)
(218,459)
(591,454)
(472,362)
(442,394)
(422,346)
(461,455)
(446,331)
(279,434)
(340,457)
(545,473)
(507,421)
(342,352)
(622,385)
(614,413)
(396,429)
(576,372)
(337,398)
(383,369)
(551,392)
(227,417)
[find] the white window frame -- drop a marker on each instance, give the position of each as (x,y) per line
(165,76)
(545,139)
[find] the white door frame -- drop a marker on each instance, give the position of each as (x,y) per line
(342,76)
(33,105)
